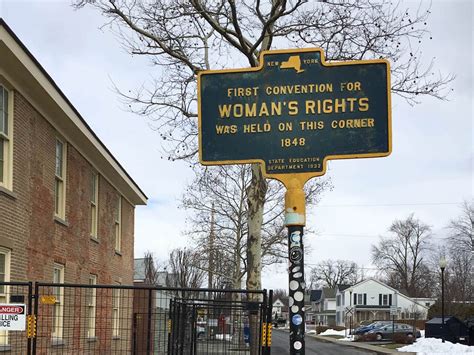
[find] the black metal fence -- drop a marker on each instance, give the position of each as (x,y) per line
(15,293)
(106,319)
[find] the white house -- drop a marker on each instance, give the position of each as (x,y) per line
(372,300)
(279,309)
(323,306)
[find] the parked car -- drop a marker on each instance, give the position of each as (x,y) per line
(386,331)
(201,332)
(366,328)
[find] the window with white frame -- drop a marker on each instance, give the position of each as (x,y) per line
(6,138)
(60,180)
(360,298)
(116,294)
(118,224)
(5,277)
(58,307)
(91,306)
(385,299)
(94,198)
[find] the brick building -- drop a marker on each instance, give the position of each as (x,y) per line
(66,204)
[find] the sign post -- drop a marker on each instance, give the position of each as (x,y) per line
(292,114)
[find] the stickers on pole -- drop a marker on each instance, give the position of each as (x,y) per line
(12,316)
(297,319)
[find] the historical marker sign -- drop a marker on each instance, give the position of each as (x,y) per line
(295,112)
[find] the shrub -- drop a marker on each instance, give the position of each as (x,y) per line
(367,337)
(403,339)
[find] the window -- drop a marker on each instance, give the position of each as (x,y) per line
(385,299)
(5,277)
(118,228)
(94,198)
(60,181)
(338,300)
(116,294)
(91,306)
(58,308)
(360,298)
(6,150)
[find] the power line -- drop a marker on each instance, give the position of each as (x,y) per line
(394,204)
(361,236)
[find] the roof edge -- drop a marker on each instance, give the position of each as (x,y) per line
(3,24)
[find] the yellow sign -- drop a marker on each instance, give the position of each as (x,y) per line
(48,299)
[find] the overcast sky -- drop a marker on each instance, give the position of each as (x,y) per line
(429,173)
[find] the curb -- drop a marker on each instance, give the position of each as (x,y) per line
(375,349)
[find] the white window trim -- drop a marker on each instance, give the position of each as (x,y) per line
(92,308)
(116,312)
(7,253)
(95,204)
(7,182)
(62,203)
(118,225)
(58,332)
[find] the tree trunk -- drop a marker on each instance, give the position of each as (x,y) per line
(256,192)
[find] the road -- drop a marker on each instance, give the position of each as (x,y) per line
(280,346)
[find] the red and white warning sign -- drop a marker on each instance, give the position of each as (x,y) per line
(12,316)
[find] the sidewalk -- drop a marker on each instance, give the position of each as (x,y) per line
(374,348)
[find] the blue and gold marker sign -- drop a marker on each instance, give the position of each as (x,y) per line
(294,112)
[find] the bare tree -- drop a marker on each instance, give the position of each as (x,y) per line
(185,37)
(461,236)
(460,256)
(150,268)
(186,270)
(217,199)
(401,256)
(330,273)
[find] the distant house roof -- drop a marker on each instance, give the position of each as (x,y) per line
(329,292)
(316,295)
(342,287)
(139,273)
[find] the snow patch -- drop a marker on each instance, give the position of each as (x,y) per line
(434,346)
(226,337)
(333,332)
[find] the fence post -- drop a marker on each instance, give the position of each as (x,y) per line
(36,299)
(269,322)
(149,314)
(30,312)
(263,324)
(170,325)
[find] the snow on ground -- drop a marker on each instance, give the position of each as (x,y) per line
(433,346)
(333,332)
(226,337)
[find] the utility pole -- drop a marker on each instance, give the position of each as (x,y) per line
(295,219)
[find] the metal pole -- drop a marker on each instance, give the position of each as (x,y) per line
(297,289)
(350,318)
(442,304)
(295,219)
(269,323)
(150,305)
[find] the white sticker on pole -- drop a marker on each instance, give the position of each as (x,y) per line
(12,316)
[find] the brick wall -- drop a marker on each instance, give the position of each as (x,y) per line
(27,224)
